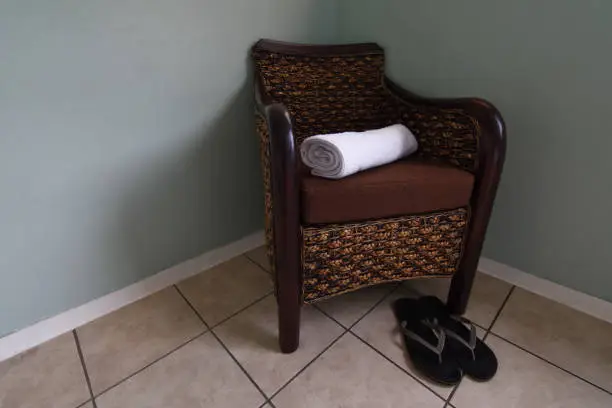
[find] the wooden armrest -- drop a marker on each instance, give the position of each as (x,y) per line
(284,182)
(491,134)
(491,150)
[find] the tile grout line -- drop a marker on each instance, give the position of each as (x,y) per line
(408,373)
(269,273)
(376,304)
(180,346)
(214,326)
(84,366)
(197,336)
(263,394)
(206,330)
(487,331)
(268,403)
(452,394)
(396,289)
(349,327)
(266,399)
(499,312)
(448,399)
(490,332)
(346,330)
(329,316)
(301,370)
(392,291)
(551,363)
(332,343)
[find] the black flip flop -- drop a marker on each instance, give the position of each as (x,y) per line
(425,342)
(475,358)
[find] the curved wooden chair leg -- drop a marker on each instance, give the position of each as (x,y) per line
(288,295)
(288,298)
(461,285)
(459,293)
(288,326)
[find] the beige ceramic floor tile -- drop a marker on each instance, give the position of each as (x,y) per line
(252,336)
(87,405)
(200,374)
(573,340)
(379,329)
(225,289)
(123,342)
(488,294)
(260,256)
(348,308)
(524,381)
(50,375)
(350,374)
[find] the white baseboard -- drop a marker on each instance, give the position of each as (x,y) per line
(577,300)
(48,329)
(45,330)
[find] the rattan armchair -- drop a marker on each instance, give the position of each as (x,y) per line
(303,90)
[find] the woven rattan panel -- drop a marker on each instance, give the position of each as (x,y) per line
(264,139)
(343,258)
(347,93)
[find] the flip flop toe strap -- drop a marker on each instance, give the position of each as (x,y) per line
(437,331)
(471,342)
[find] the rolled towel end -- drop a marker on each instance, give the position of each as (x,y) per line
(339,155)
(323,157)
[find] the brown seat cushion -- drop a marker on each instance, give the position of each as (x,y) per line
(400,188)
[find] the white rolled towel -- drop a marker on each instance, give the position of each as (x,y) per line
(339,155)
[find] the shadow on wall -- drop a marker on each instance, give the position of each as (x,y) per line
(201,195)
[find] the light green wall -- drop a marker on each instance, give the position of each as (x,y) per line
(126,141)
(547,65)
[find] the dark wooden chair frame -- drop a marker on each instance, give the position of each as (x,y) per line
(285,187)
